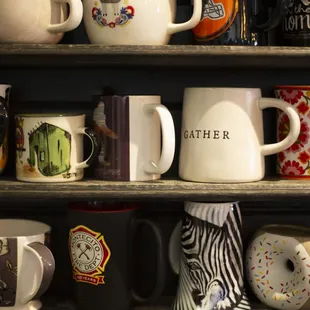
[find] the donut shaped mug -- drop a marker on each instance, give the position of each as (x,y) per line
(38,21)
(134,22)
(4,124)
(278,266)
(222,134)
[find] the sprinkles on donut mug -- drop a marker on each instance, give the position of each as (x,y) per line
(278,266)
(294,162)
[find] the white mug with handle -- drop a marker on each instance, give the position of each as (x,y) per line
(222,134)
(38,21)
(137,138)
(26,263)
(134,22)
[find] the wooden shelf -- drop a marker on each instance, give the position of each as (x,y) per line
(32,55)
(69,305)
(269,189)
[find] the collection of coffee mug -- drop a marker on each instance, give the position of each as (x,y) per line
(132,22)
(221,142)
(205,250)
(221,137)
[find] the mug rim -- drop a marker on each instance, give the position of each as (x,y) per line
(30,223)
(222,88)
(297,87)
(132,96)
(39,115)
(217,203)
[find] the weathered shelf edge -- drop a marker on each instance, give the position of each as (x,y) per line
(70,306)
(271,189)
(21,55)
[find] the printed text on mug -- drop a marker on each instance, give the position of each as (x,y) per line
(206,134)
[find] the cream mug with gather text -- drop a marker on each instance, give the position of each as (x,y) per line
(134,22)
(222,134)
(38,21)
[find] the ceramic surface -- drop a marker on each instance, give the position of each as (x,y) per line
(134,22)
(294,162)
(277,266)
(50,148)
(38,21)
(222,134)
(137,138)
(210,260)
(26,263)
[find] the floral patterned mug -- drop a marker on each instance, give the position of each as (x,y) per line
(294,162)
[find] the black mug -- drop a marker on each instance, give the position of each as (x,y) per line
(295,30)
(238,22)
(101,253)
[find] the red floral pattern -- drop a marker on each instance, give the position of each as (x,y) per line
(291,95)
(295,161)
(281,157)
(130,10)
(284,129)
(304,157)
(303,108)
(292,168)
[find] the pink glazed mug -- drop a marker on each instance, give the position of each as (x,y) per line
(294,162)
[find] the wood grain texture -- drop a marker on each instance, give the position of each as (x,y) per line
(269,189)
(87,55)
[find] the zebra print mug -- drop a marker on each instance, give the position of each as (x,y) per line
(210,262)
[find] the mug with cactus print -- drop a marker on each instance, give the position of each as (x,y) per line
(49,147)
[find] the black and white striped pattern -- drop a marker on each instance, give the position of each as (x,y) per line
(211,275)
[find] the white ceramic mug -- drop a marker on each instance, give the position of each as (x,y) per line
(277,263)
(132,148)
(49,147)
(134,22)
(38,21)
(26,264)
(222,134)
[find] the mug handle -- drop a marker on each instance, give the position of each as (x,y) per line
(175,248)
(168,140)
(190,24)
(275,18)
(95,147)
(4,117)
(161,274)
(290,139)
(41,254)
(74,19)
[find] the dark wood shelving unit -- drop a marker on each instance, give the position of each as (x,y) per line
(84,69)
(268,189)
(184,56)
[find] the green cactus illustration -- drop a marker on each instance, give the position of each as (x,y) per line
(51,146)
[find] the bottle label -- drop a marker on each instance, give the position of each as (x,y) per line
(217,17)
